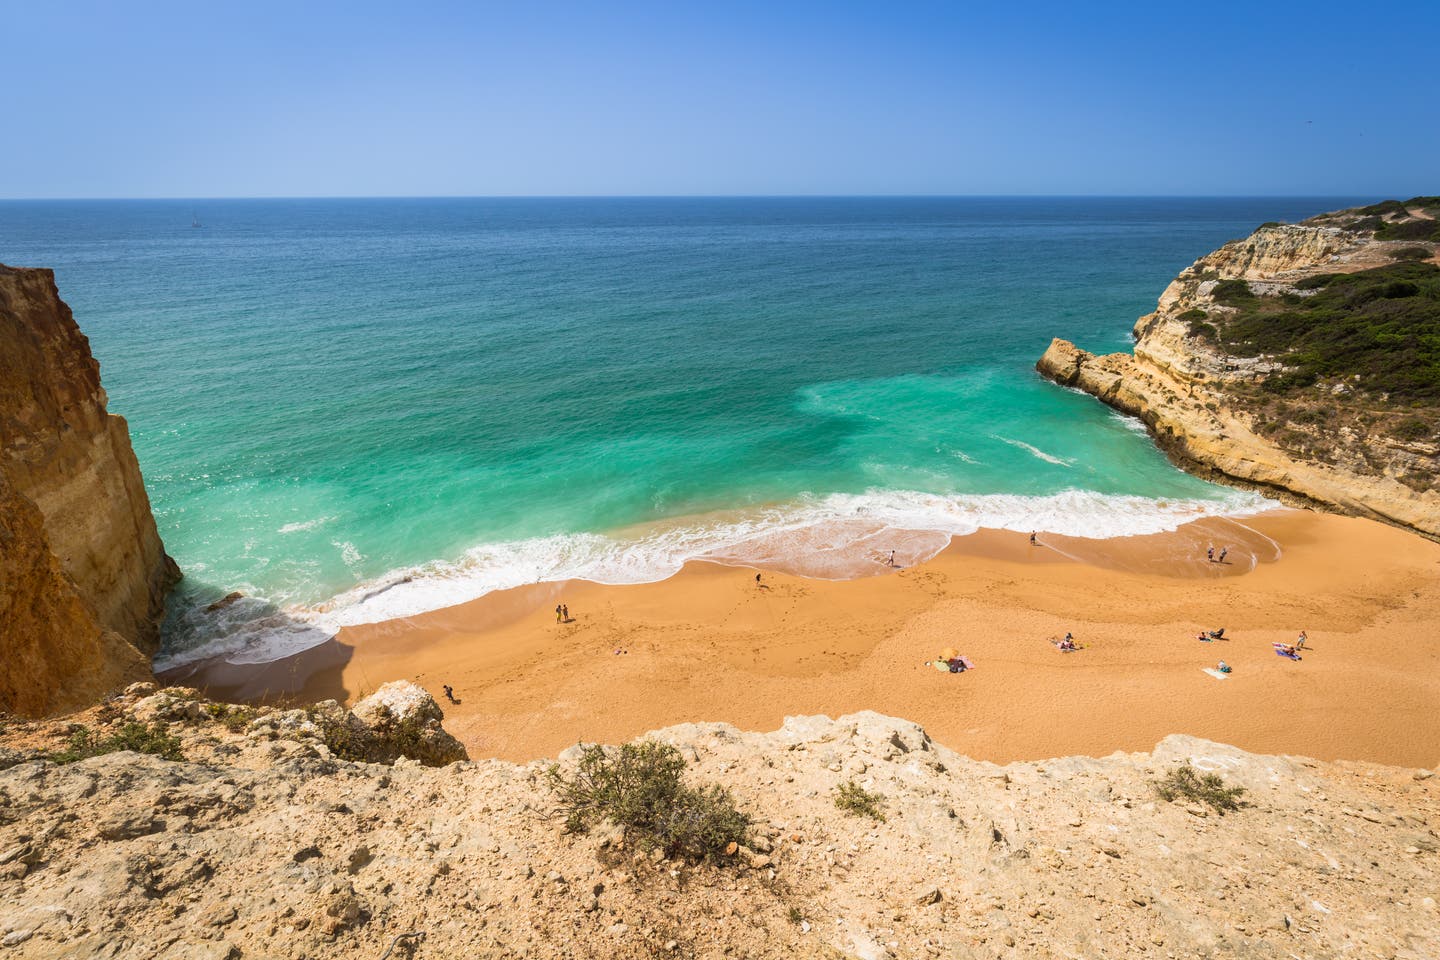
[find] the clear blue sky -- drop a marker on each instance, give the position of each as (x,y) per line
(200,99)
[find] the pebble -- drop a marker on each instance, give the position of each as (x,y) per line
(16,938)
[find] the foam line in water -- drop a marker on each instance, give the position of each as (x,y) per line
(1035,451)
(840,536)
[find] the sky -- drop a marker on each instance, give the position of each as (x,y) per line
(315,98)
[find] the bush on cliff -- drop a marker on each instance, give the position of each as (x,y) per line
(640,788)
(153,739)
(1185,783)
(854,800)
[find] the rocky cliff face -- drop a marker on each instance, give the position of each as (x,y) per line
(87,571)
(1329,444)
(262,843)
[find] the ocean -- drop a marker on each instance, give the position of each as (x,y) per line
(351,410)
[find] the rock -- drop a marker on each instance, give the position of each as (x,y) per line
(16,937)
(142,689)
(403,720)
(1195,398)
(928,896)
(618,929)
(83,574)
(225,601)
(127,825)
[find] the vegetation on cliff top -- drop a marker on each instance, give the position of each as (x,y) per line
(1389,219)
(640,789)
(1377,329)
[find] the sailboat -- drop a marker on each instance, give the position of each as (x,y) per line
(194,220)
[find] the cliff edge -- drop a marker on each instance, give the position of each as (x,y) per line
(84,572)
(1303,360)
(240,833)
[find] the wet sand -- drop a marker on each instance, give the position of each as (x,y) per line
(710,644)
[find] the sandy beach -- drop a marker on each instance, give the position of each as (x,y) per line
(710,644)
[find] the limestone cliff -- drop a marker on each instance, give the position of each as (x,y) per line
(1224,379)
(256,840)
(86,573)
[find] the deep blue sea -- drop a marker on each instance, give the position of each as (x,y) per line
(358,409)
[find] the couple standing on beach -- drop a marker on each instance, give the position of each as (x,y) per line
(1210,554)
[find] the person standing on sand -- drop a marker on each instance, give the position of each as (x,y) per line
(757,579)
(1223,552)
(1210,553)
(892,558)
(565,609)
(558,615)
(1300,643)
(1033,541)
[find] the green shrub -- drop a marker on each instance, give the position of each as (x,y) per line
(154,739)
(1412,253)
(1413,429)
(232,716)
(856,801)
(1184,782)
(386,739)
(641,789)
(1408,230)
(1232,292)
(1203,330)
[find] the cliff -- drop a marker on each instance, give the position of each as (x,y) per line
(1300,361)
(256,840)
(86,573)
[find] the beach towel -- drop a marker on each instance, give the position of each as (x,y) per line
(1216,673)
(1286,654)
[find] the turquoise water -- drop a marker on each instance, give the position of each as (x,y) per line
(354,409)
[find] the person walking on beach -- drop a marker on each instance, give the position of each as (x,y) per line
(1223,552)
(558,615)
(757,579)
(892,558)
(565,609)
(1210,553)
(449,693)
(1300,643)
(1033,541)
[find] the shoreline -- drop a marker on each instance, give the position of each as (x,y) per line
(707,644)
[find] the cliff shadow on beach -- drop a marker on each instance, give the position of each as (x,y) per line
(309,675)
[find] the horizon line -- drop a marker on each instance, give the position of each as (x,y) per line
(709,196)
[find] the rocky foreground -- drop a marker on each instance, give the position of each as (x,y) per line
(1213,375)
(262,843)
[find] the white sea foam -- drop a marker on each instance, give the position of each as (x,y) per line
(1035,451)
(305,525)
(835,537)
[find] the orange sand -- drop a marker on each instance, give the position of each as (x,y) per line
(708,644)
